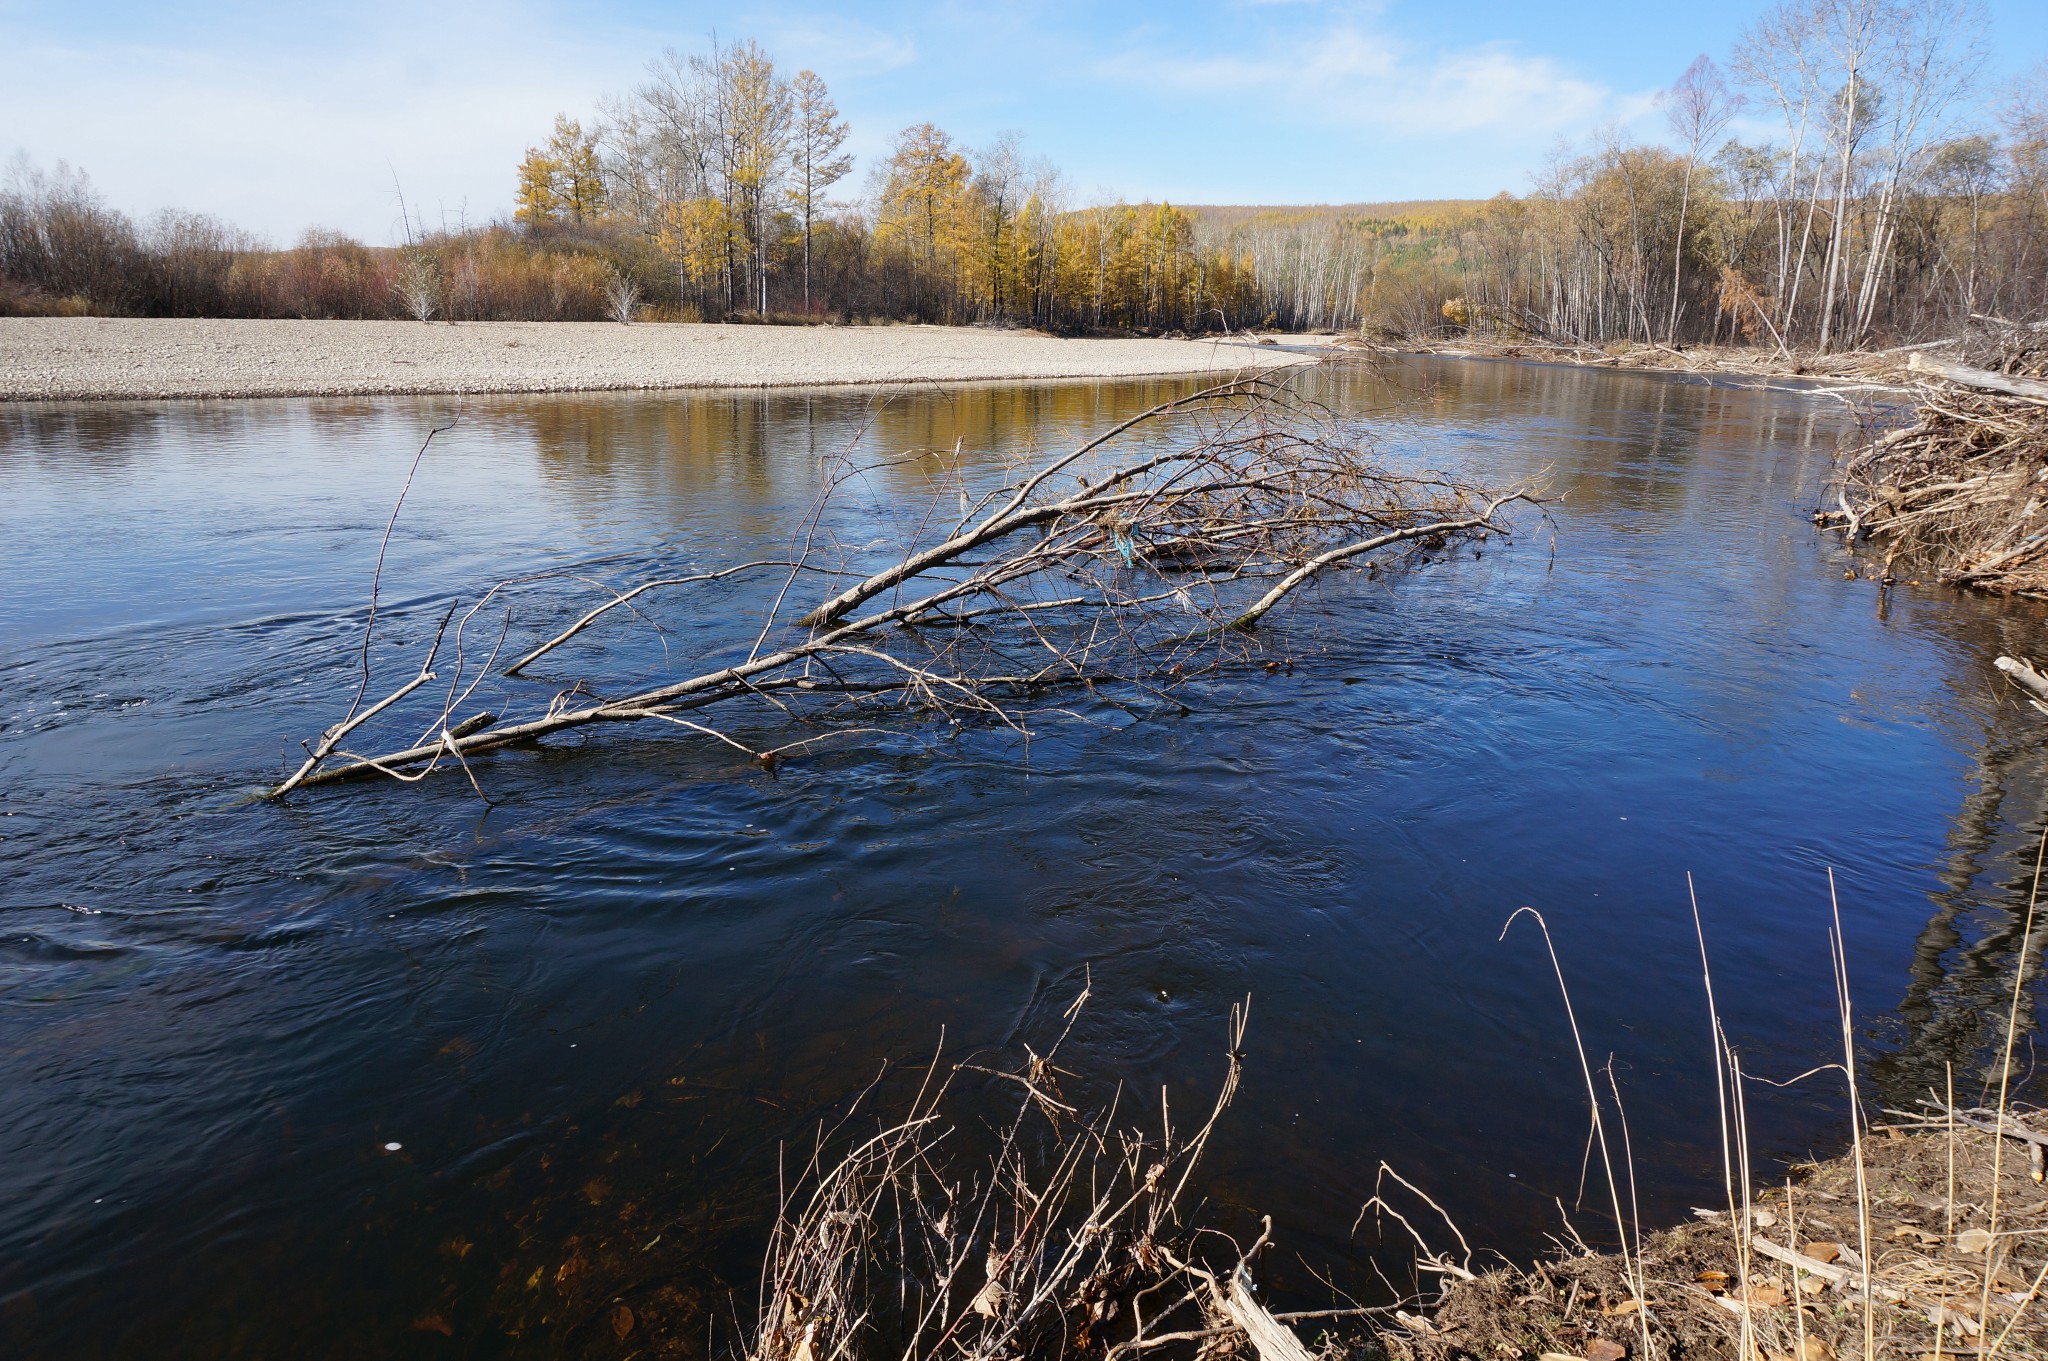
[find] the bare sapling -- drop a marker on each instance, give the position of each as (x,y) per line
(419,283)
(621,296)
(1113,574)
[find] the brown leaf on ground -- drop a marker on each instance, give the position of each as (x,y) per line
(433,1323)
(1601,1349)
(622,1322)
(1823,1252)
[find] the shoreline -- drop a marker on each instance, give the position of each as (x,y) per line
(125,359)
(1860,367)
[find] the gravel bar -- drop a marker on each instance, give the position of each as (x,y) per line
(100,358)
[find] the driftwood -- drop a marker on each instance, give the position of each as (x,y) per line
(1115,573)
(1983,380)
(2028,678)
(1270,1338)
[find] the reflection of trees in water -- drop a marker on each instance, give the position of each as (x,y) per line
(1608,440)
(1959,992)
(759,452)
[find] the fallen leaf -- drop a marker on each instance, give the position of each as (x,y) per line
(1625,1307)
(1823,1252)
(1764,1296)
(433,1323)
(1600,1349)
(1763,1219)
(1559,1356)
(1714,1281)
(1811,1285)
(1972,1240)
(622,1322)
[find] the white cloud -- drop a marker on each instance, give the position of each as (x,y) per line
(312,128)
(1353,76)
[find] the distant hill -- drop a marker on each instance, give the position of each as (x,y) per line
(1229,215)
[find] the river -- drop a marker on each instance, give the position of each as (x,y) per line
(589,1013)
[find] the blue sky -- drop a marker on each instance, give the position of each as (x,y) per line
(283,116)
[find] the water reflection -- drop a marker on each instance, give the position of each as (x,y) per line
(592,1014)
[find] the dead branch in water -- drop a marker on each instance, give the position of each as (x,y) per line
(1124,568)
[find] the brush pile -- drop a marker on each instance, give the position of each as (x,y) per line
(1942,1250)
(1959,494)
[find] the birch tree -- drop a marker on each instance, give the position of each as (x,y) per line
(1698,108)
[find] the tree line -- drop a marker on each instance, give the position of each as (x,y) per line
(1882,194)
(1889,198)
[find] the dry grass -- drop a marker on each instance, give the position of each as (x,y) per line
(1070,1241)
(1928,1237)
(1932,1251)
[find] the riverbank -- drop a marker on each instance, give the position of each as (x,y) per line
(1855,366)
(1938,1247)
(94,358)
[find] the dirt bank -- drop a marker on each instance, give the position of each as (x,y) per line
(85,358)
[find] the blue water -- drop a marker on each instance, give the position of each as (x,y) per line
(589,1011)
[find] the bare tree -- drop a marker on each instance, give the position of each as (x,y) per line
(1698,108)
(998,189)
(419,282)
(621,295)
(1932,50)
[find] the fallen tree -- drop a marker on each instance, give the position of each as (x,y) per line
(1959,493)
(1123,568)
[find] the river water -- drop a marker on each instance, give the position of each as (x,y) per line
(590,1013)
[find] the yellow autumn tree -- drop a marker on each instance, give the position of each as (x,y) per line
(754,113)
(700,236)
(923,204)
(537,204)
(579,176)
(562,181)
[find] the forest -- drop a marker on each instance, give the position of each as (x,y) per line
(1880,191)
